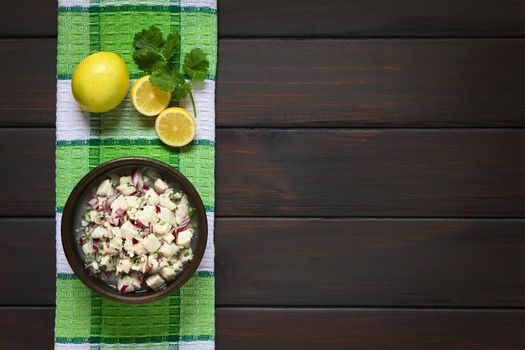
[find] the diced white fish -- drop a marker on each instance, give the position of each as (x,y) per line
(99,232)
(155,281)
(184,237)
(168,250)
(182,209)
(178,266)
(124,265)
(168,273)
(125,285)
(105,188)
(151,196)
(151,243)
(160,185)
(162,229)
(167,203)
(186,255)
(147,215)
(119,203)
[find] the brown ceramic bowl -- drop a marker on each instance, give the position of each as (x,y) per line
(75,207)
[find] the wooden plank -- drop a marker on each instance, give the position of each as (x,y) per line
(28,174)
(304,262)
(370,329)
(363,83)
(29,250)
(370,262)
(33,18)
(380,329)
(320,83)
(26,328)
(322,173)
(360,173)
(376,18)
(335,18)
(28,95)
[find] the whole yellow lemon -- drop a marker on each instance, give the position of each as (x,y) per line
(100,82)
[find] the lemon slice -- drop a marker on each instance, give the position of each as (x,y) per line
(148,99)
(175,127)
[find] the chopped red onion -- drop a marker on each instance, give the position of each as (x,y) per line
(135,177)
(95,247)
(134,241)
(183,225)
(157,208)
(137,224)
(123,288)
(112,199)
(141,182)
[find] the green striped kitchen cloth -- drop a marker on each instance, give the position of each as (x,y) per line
(186,319)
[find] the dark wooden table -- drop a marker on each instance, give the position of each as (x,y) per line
(370,174)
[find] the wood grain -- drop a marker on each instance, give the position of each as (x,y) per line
(333,18)
(326,173)
(370,262)
(302,262)
(33,18)
(28,174)
(320,83)
(28,88)
(376,18)
(289,329)
(27,328)
(29,249)
(370,329)
(361,173)
(363,83)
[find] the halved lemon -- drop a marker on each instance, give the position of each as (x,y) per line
(175,127)
(148,99)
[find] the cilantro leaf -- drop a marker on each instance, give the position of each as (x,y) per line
(166,80)
(171,45)
(163,79)
(148,38)
(178,77)
(182,91)
(147,44)
(148,59)
(196,65)
(159,57)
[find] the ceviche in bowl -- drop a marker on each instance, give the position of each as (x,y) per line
(134,229)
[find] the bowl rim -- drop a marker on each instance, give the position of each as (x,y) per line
(69,243)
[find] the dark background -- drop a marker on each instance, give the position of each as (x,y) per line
(370,174)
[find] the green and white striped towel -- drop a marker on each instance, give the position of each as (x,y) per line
(186,319)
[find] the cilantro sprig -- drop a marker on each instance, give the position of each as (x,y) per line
(157,56)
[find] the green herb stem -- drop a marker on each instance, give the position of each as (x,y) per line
(193,104)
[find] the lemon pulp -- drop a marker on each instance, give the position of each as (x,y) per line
(175,127)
